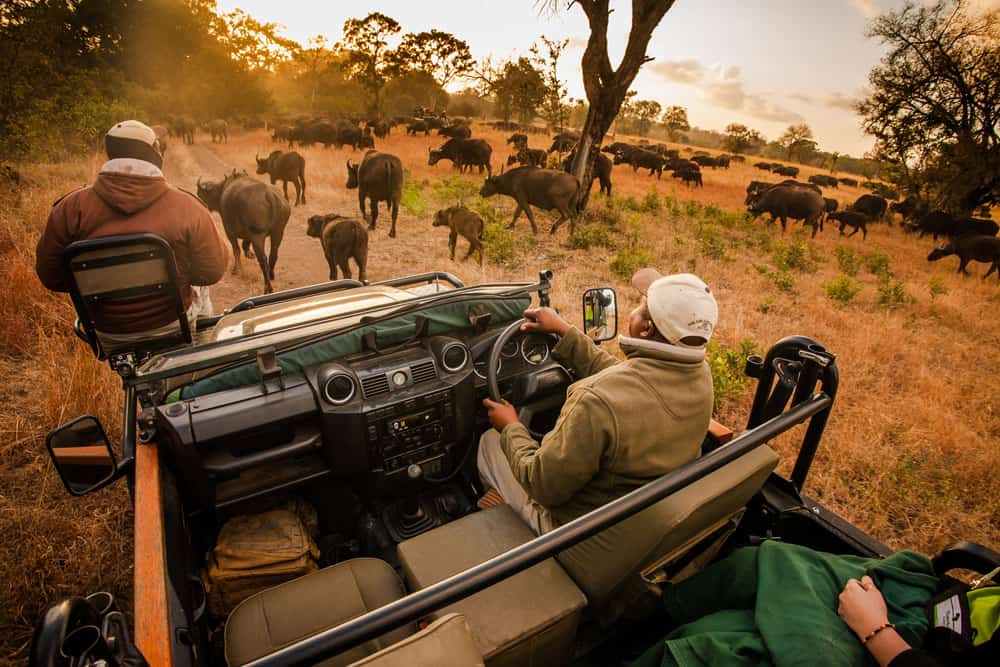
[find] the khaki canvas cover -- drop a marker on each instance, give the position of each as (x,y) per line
(257,551)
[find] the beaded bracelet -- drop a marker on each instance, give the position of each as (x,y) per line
(876,631)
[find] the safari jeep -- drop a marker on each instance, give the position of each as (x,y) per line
(303,471)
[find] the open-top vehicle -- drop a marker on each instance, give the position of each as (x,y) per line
(304,482)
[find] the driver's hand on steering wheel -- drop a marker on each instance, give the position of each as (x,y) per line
(500,414)
(545,320)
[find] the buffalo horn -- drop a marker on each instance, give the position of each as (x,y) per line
(199,181)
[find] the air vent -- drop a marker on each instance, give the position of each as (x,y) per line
(454,357)
(423,371)
(374,385)
(339,389)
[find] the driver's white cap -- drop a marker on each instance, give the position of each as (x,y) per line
(681,306)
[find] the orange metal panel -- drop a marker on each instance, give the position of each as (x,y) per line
(152,623)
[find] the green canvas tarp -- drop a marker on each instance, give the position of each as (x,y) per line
(443,318)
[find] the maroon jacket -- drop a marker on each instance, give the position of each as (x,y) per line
(127,203)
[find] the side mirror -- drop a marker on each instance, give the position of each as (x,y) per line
(82,454)
(600,314)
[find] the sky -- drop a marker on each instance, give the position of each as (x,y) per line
(764,63)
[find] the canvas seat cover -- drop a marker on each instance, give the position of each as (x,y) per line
(281,615)
(447,642)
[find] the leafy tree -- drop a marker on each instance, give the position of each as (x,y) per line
(605,85)
(739,138)
(442,55)
(314,59)
(935,101)
(797,140)
(520,90)
(553,105)
(369,59)
(645,113)
(411,89)
(255,44)
(675,121)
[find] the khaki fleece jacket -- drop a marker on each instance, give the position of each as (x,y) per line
(623,424)
(129,198)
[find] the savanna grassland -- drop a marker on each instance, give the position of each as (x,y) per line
(910,452)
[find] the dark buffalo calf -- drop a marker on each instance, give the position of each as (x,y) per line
(342,239)
(465,223)
(850,219)
(979,248)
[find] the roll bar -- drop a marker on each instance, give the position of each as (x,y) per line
(807,405)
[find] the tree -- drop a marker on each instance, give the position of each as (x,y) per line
(645,113)
(675,121)
(605,85)
(440,54)
(797,140)
(255,44)
(520,90)
(741,139)
(935,102)
(369,59)
(553,105)
(314,59)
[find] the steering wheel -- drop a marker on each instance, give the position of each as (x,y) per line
(493,366)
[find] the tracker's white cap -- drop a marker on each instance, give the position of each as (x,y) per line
(133,129)
(681,306)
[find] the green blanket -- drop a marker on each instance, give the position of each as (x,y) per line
(777,605)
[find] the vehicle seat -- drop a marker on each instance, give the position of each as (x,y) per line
(528,619)
(669,540)
(281,615)
(120,269)
(447,642)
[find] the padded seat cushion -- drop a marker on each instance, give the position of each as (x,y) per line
(281,615)
(605,562)
(447,642)
(529,618)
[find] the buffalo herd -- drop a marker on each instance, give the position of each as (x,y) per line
(252,211)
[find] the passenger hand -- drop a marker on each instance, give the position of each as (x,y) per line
(862,606)
(545,320)
(501,414)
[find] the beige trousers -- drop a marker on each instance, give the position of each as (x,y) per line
(494,471)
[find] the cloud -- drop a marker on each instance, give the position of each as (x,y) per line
(722,86)
(866,7)
(839,101)
(688,71)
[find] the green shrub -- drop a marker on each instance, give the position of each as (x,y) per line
(847,261)
(842,289)
(762,269)
(877,263)
(767,305)
(500,244)
(760,237)
(412,200)
(651,202)
(692,265)
(588,236)
(891,292)
(727,365)
(936,287)
(710,241)
(608,212)
(631,256)
(783,280)
(800,254)
(454,190)
(691,209)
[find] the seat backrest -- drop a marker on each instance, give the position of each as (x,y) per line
(447,642)
(604,564)
(121,269)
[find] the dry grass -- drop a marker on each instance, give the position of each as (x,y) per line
(910,452)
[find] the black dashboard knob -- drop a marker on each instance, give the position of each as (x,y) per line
(414,471)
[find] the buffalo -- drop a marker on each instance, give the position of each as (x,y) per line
(823,180)
(518,140)
(455,131)
(850,219)
(601,171)
(872,206)
(690,176)
(706,161)
(850,182)
(545,188)
(465,223)
(342,238)
(642,158)
(977,247)
(285,167)
(531,157)
(764,166)
(379,177)
(219,129)
(783,170)
(161,133)
(564,142)
(252,211)
(789,201)
(829,206)
(418,126)
(464,154)
(184,128)
(380,128)
(940,223)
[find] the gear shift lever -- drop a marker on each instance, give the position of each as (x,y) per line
(410,511)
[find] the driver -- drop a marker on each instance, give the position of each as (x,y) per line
(623,423)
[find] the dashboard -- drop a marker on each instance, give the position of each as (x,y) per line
(380,414)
